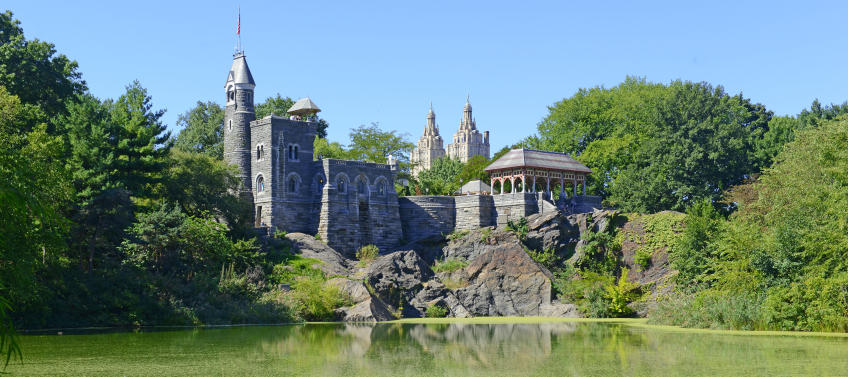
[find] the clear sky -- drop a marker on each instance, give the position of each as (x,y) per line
(384,62)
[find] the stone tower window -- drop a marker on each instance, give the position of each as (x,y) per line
(341,186)
(381,188)
(230,125)
(260,184)
(260,152)
(231,95)
(360,186)
(293,184)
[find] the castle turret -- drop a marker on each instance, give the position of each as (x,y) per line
(239,114)
(430,146)
(468,141)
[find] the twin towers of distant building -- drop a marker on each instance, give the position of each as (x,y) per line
(467,142)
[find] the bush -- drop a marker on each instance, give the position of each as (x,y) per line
(457,234)
(520,228)
(642,258)
(449,265)
(547,258)
(620,295)
(485,235)
(312,299)
(436,311)
(294,267)
(367,254)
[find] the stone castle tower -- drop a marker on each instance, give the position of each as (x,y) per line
(430,146)
(239,114)
(468,141)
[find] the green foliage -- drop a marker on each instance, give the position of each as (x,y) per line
(436,311)
(372,144)
(642,258)
(547,258)
(711,309)
(620,295)
(32,71)
(485,235)
(277,105)
(457,234)
(692,257)
(367,254)
(519,227)
(654,146)
(473,170)
(313,299)
(600,253)
(202,130)
(8,336)
(294,267)
(449,265)
(441,178)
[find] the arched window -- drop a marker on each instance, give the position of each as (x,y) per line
(231,95)
(292,184)
(260,151)
(361,186)
(260,184)
(291,154)
(381,188)
(295,152)
(341,185)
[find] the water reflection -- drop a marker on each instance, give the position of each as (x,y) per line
(457,349)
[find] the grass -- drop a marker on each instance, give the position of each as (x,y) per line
(449,265)
(367,254)
(457,234)
(454,284)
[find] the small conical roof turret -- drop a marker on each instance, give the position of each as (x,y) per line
(240,72)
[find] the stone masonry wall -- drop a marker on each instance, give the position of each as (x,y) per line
(514,206)
(474,211)
(425,216)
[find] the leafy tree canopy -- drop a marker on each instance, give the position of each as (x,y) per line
(372,144)
(202,130)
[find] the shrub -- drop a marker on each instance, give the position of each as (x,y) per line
(279,233)
(642,258)
(313,299)
(367,254)
(317,236)
(547,258)
(454,284)
(457,234)
(520,227)
(436,311)
(620,295)
(449,265)
(294,267)
(485,235)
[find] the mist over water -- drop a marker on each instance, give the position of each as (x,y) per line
(454,349)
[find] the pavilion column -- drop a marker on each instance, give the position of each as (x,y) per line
(575,186)
(548,188)
(562,186)
(523,183)
(512,184)
(503,181)
(492,186)
(584,186)
(534,183)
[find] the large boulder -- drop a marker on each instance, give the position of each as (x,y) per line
(397,277)
(334,264)
(478,242)
(369,310)
(351,288)
(435,293)
(505,282)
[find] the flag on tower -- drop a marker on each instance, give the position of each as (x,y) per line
(238,30)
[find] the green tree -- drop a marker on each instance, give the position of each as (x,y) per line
(32,71)
(92,146)
(370,143)
(323,148)
(280,106)
(202,130)
(143,144)
(441,178)
(473,169)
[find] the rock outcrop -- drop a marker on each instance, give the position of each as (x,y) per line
(334,264)
(397,278)
(370,310)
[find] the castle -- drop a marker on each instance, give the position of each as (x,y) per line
(467,142)
(349,204)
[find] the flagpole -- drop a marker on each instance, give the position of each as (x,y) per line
(238,31)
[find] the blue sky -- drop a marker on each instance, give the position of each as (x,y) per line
(384,62)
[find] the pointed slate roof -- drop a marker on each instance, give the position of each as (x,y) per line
(304,106)
(240,72)
(529,158)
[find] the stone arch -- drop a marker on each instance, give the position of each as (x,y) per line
(293,183)
(518,184)
(362,186)
(342,181)
(260,183)
(381,186)
(293,151)
(318,182)
(499,184)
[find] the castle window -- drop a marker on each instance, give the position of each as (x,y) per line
(292,184)
(260,152)
(260,184)
(360,186)
(381,188)
(231,95)
(341,186)
(293,149)
(230,125)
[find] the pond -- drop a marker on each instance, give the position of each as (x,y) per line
(541,348)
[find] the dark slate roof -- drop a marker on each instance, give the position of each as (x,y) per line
(529,158)
(240,73)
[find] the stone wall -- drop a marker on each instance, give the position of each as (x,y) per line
(474,211)
(425,216)
(514,206)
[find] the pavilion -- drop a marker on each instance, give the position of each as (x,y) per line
(530,169)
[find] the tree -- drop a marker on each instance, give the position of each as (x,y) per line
(441,178)
(202,130)
(370,143)
(280,106)
(473,169)
(31,70)
(143,144)
(322,148)
(92,146)
(655,147)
